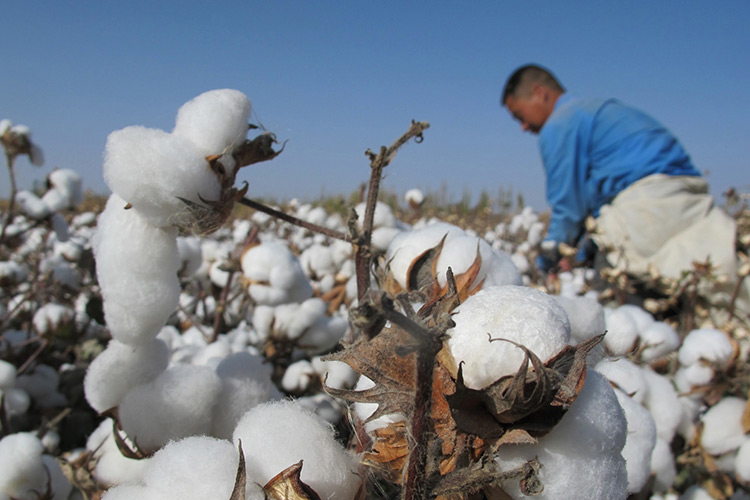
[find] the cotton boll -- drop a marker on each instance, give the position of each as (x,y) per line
(643,319)
(7,374)
(586,318)
(16,401)
(580,457)
(688,377)
(622,331)
(298,376)
(383,216)
(459,253)
(112,467)
(41,384)
(695,492)
(722,426)
(32,206)
(137,269)
(742,462)
(382,237)
(626,375)
(152,170)
(662,465)
(662,401)
(414,197)
(51,317)
(292,320)
(59,484)
(245,383)
(21,466)
(324,406)
(277,435)
(318,261)
(528,317)
(706,344)
(275,274)
(69,184)
(12,273)
(191,255)
(215,120)
(178,403)
(119,368)
(657,340)
(323,335)
(640,442)
(198,467)
(336,374)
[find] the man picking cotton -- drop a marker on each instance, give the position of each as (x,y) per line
(608,160)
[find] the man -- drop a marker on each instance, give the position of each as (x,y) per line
(615,163)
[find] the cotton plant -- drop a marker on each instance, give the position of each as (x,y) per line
(273,274)
(28,472)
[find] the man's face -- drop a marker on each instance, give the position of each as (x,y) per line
(531,111)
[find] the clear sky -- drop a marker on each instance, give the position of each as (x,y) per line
(337,77)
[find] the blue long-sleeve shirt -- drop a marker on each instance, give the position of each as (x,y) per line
(592,149)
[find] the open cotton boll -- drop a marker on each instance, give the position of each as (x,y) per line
(622,331)
(21,466)
(706,344)
(323,335)
(318,261)
(643,319)
(742,461)
(69,184)
(136,265)
(414,196)
(199,468)
(626,375)
(459,252)
(640,441)
(191,255)
(245,383)
(177,404)
(408,245)
(41,384)
(336,374)
(686,378)
(522,315)
(663,467)
(277,435)
(297,377)
(7,374)
(152,169)
(722,426)
(383,216)
(31,205)
(121,367)
(657,340)
(51,317)
(662,401)
(215,120)
(586,317)
(275,274)
(581,456)
(382,237)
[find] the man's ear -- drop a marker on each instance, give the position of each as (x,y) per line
(540,91)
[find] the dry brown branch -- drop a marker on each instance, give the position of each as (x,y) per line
(293,220)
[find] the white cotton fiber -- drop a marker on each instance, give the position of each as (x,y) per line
(277,435)
(21,466)
(59,485)
(150,169)
(662,401)
(67,190)
(50,317)
(245,383)
(706,344)
(214,120)
(274,274)
(112,467)
(16,401)
(121,367)
(459,252)
(688,377)
(722,426)
(414,197)
(581,456)
(191,255)
(298,376)
(383,216)
(137,269)
(7,374)
(31,205)
(336,374)
(519,314)
(626,375)
(643,319)
(663,465)
(657,340)
(199,468)
(177,404)
(622,331)
(742,461)
(640,442)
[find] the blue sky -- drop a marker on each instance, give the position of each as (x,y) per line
(337,77)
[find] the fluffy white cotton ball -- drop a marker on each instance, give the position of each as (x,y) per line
(152,170)
(245,383)
(7,374)
(706,344)
(742,461)
(25,471)
(626,375)
(274,274)
(522,315)
(640,441)
(581,457)
(663,402)
(277,435)
(662,465)
(414,197)
(383,216)
(137,269)
(722,426)
(215,120)
(177,404)
(657,340)
(622,331)
(119,368)
(112,467)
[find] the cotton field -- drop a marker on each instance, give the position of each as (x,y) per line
(166,347)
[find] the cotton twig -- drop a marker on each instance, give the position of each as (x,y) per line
(293,220)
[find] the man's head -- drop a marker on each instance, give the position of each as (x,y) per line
(530,95)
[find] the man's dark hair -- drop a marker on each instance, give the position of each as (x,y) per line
(520,82)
